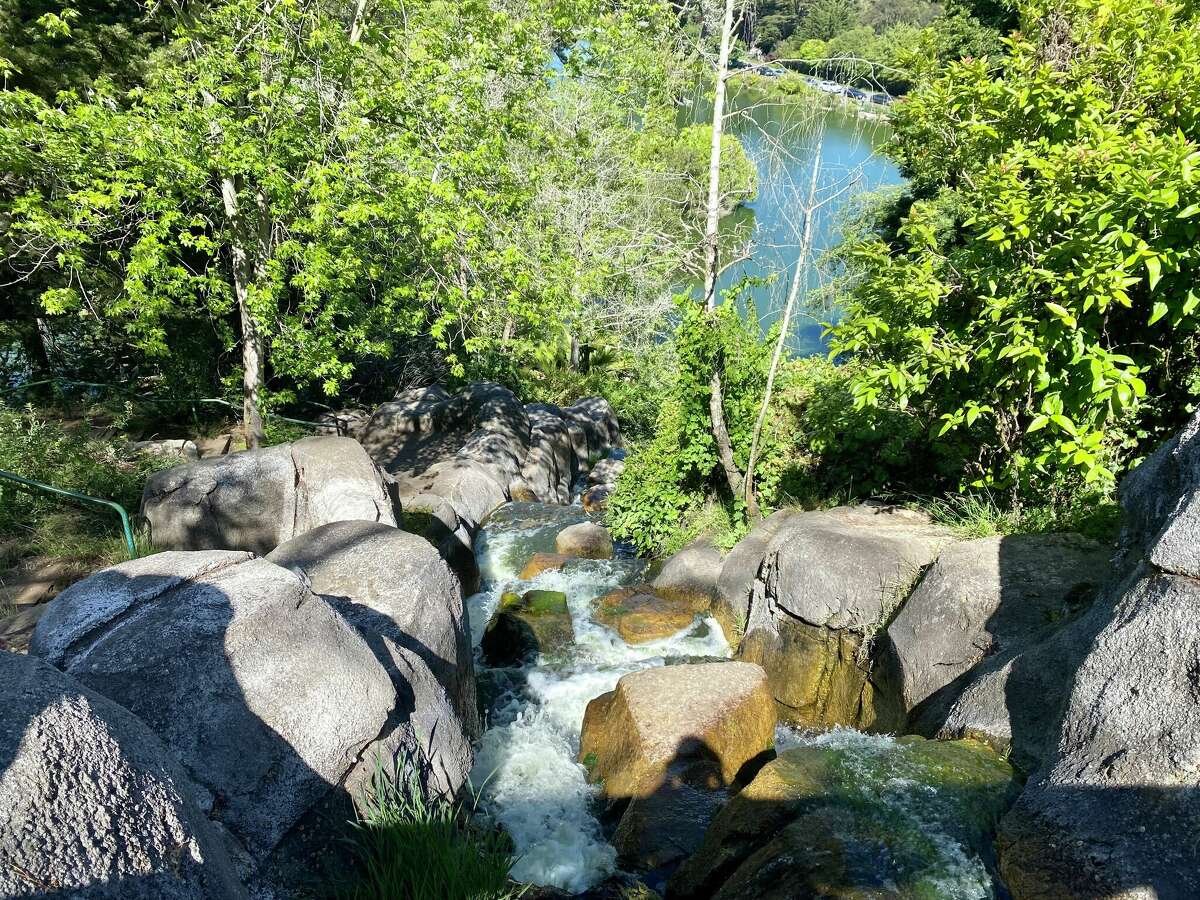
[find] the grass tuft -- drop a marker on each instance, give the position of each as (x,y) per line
(410,847)
(979,515)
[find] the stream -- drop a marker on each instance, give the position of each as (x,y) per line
(526,771)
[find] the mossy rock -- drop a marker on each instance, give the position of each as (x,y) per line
(639,615)
(527,624)
(820,678)
(862,818)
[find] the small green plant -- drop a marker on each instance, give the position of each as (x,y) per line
(411,846)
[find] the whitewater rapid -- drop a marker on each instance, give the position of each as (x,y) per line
(526,770)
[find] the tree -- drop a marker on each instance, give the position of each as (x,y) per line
(322,179)
(1037,306)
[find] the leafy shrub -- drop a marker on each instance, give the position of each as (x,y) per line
(674,472)
(1036,307)
(839,451)
(410,847)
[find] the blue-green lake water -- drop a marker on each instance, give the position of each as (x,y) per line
(781,139)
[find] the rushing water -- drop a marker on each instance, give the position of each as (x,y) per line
(780,138)
(526,768)
(526,762)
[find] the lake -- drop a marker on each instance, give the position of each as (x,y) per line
(780,137)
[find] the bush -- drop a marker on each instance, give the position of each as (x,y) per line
(410,847)
(675,471)
(1037,305)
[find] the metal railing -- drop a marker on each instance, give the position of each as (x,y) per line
(30,484)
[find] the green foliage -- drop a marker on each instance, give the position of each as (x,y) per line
(1035,308)
(413,847)
(42,449)
(673,473)
(47,46)
(403,181)
(687,154)
(837,450)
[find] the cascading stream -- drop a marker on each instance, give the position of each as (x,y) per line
(526,765)
(526,768)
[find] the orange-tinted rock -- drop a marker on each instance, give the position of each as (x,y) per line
(640,616)
(709,718)
(542,562)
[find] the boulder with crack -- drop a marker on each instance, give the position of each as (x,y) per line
(257,499)
(828,581)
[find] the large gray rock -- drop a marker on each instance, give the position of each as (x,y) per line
(92,804)
(552,464)
(739,574)
(266,694)
(990,599)
(257,499)
(1116,812)
(691,575)
(601,432)
(394,584)
(828,581)
(1161,501)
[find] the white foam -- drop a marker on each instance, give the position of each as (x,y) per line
(526,766)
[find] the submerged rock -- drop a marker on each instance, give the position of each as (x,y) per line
(257,499)
(524,625)
(586,540)
(702,723)
(543,562)
(857,818)
(639,615)
(92,804)
(827,582)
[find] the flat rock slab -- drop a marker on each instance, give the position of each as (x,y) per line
(640,616)
(711,716)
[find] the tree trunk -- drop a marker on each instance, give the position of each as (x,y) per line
(793,292)
(716,399)
(713,207)
(244,270)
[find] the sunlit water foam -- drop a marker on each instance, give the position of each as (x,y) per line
(880,769)
(526,766)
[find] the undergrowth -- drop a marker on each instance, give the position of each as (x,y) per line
(978,515)
(410,847)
